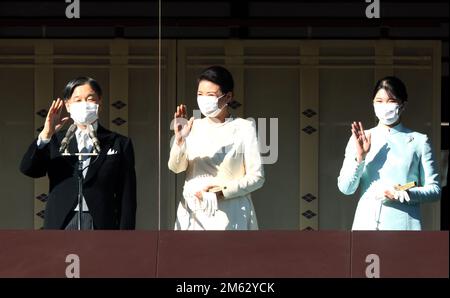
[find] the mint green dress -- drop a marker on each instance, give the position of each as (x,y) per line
(397,156)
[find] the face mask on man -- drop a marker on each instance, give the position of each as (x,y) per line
(387,113)
(83,113)
(209,105)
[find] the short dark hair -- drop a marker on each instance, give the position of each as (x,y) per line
(394,87)
(218,75)
(80,81)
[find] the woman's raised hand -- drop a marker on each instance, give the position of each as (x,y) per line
(182,126)
(362,141)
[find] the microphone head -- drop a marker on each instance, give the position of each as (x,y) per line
(69,134)
(91,131)
(72,128)
(93,136)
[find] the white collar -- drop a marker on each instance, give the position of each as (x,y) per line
(80,131)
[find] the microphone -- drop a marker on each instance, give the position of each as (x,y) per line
(93,136)
(69,135)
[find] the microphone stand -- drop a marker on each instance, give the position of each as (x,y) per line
(80,180)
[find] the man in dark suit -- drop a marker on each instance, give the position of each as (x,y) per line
(109,188)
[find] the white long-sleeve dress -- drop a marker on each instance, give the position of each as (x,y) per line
(224,154)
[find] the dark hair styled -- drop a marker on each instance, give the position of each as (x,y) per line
(218,75)
(394,87)
(80,81)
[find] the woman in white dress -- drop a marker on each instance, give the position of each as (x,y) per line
(221,157)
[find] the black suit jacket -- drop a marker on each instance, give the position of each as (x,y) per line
(109,186)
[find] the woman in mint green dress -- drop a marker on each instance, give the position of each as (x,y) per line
(381,159)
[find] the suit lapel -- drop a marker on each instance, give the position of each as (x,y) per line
(106,139)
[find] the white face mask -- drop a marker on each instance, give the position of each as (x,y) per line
(83,112)
(209,105)
(387,113)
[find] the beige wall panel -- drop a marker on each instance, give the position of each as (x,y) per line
(345,95)
(16,134)
(274,93)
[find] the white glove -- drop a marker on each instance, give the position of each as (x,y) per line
(192,202)
(210,203)
(401,195)
(191,187)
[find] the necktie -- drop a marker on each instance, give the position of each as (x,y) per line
(83,148)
